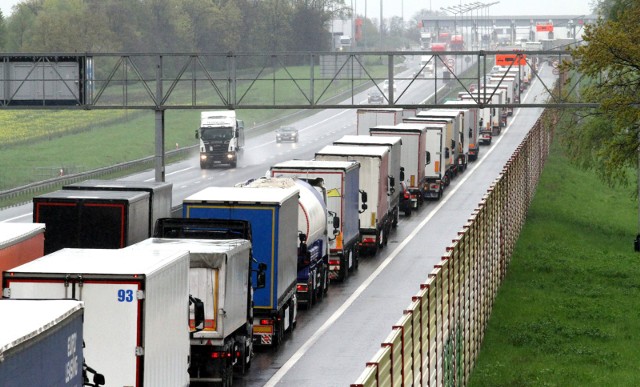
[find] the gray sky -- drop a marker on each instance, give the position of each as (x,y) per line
(394,7)
(503,8)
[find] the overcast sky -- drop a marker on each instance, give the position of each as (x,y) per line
(411,7)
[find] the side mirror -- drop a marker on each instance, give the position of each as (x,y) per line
(392,181)
(197,134)
(402,173)
(261,277)
(428,158)
(336,222)
(302,237)
(98,380)
(198,313)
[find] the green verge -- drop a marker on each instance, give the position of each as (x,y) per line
(567,312)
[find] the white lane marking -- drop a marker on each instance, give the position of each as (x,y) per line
(277,377)
(172,173)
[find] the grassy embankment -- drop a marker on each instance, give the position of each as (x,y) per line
(37,144)
(567,313)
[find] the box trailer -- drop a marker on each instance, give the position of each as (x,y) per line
(459,144)
(41,343)
(341,180)
(20,243)
(471,129)
(414,142)
(136,321)
(92,219)
(375,218)
(396,172)
(273,215)
(159,194)
(370,117)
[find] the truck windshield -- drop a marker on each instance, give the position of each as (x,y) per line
(219,133)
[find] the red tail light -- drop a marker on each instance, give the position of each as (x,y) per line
(266,321)
(369,240)
(334,262)
(302,288)
(406,195)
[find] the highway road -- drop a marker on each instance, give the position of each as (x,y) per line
(333,340)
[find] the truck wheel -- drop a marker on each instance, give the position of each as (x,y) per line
(356,258)
(203,165)
(244,362)
(396,217)
(312,290)
(381,238)
(233,164)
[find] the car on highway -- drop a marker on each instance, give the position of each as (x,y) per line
(405,199)
(286,133)
(385,86)
(375,97)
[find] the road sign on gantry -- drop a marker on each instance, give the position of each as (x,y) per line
(511,59)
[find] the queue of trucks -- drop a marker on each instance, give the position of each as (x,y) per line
(187,298)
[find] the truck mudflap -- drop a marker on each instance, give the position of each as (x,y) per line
(269,330)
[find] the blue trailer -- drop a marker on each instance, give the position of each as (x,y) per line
(41,343)
(273,215)
(341,180)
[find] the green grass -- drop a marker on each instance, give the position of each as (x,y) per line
(36,144)
(568,311)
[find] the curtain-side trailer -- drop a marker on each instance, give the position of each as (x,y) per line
(41,343)
(413,155)
(341,180)
(375,219)
(396,172)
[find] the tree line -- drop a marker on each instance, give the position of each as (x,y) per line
(143,26)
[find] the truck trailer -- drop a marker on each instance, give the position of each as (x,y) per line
(159,194)
(414,162)
(41,343)
(273,215)
(92,219)
(376,217)
(20,243)
(313,253)
(221,137)
(219,276)
(341,180)
(370,117)
(459,144)
(471,128)
(396,172)
(136,321)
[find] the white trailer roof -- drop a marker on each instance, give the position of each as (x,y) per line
(250,195)
(373,151)
(208,253)
(380,110)
(369,140)
(101,261)
(23,320)
(316,164)
(450,113)
(12,233)
(412,124)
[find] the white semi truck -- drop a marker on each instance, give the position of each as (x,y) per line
(221,136)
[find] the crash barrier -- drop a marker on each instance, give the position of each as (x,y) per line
(437,339)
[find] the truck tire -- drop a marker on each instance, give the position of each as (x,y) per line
(203,165)
(345,260)
(244,363)
(381,238)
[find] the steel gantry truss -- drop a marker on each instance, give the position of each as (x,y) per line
(250,81)
(330,80)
